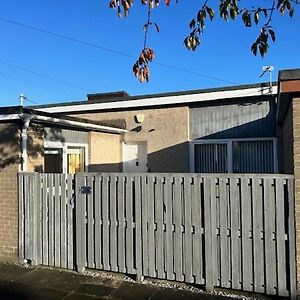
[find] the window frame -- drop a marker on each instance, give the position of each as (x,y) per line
(229,143)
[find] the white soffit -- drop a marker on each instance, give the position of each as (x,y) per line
(78,124)
(9,117)
(168,100)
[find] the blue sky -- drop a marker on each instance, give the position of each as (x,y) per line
(224,53)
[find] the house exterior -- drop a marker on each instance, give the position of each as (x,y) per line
(217,130)
(240,129)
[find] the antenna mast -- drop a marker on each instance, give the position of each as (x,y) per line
(269,69)
(22,99)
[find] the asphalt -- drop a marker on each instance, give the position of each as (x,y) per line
(35,283)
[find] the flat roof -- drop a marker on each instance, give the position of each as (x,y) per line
(102,101)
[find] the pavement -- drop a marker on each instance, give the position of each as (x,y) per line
(35,283)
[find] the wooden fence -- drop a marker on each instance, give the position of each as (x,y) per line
(230,231)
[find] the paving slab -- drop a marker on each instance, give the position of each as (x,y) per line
(10,272)
(68,281)
(134,291)
(18,291)
(95,290)
(40,283)
(39,277)
(75,296)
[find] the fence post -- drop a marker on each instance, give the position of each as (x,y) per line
(80,223)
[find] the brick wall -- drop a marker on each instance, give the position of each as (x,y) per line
(9,164)
(287,149)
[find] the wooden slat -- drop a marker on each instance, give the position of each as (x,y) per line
(177,219)
(70,228)
(197,256)
(129,226)
(280,238)
(105,210)
(32,225)
(45,216)
(151,227)
(214,239)
(113,224)
(169,254)
(209,280)
(51,220)
(223,234)
(121,222)
(57,221)
(80,223)
(258,242)
(145,246)
(235,248)
(292,238)
(138,227)
(90,224)
(246,230)
(159,245)
(270,248)
(63,216)
(188,255)
(27,246)
(98,221)
(38,218)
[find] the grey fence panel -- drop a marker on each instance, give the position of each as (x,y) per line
(43,219)
(220,230)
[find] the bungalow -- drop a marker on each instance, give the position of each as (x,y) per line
(219,130)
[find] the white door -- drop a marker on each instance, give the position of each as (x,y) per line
(135,157)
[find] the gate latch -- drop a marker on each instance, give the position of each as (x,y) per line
(85,189)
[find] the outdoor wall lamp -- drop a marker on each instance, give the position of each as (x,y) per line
(139,118)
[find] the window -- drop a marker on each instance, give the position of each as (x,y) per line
(53,160)
(234,156)
(64,157)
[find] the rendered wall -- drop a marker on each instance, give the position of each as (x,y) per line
(104,152)
(166,131)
